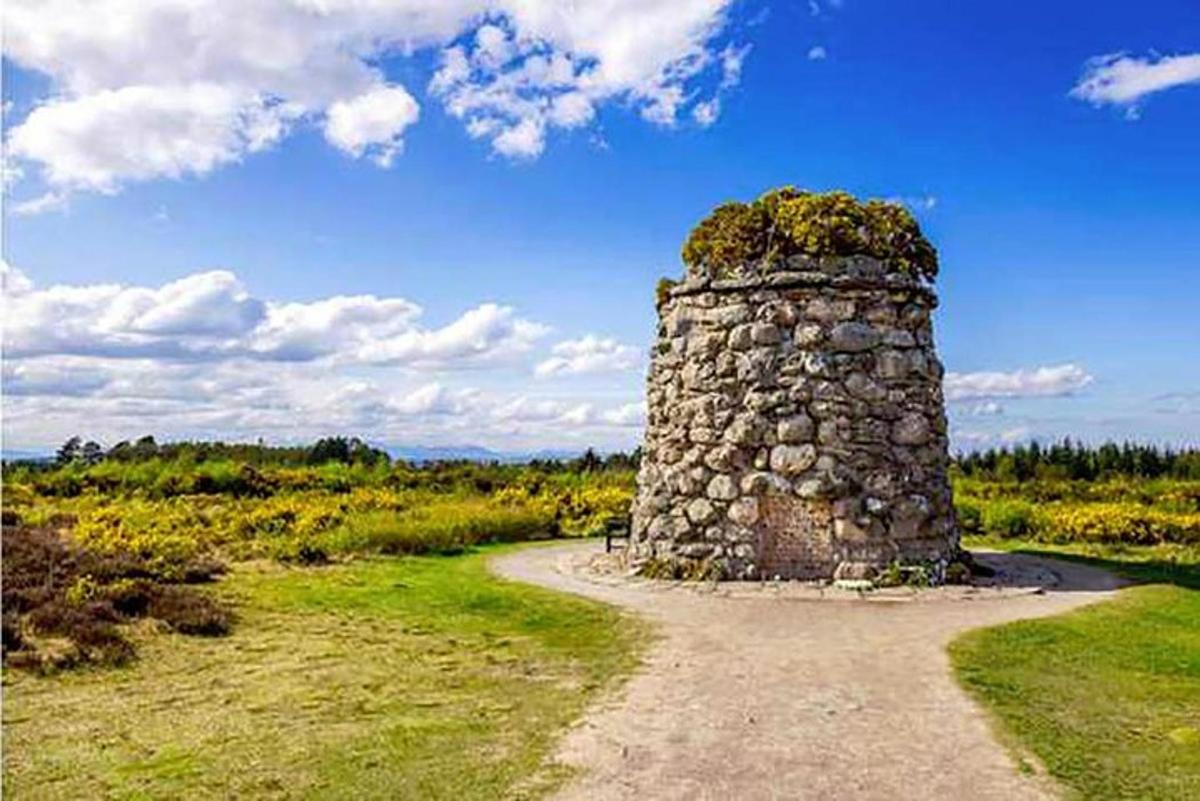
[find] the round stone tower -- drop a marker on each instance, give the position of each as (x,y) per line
(795,426)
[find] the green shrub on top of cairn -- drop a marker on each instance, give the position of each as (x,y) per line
(740,239)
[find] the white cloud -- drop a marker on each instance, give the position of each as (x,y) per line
(11,172)
(508,85)
(493,46)
(563,413)
(706,113)
(13,281)
(590,354)
(817,53)
(980,440)
(48,377)
(203,357)
(48,399)
(340,324)
(212,304)
(372,122)
(192,316)
(1123,80)
(630,414)
(167,89)
(571,110)
(1042,381)
(925,202)
(485,333)
(99,141)
(732,59)
(523,409)
(985,409)
(525,139)
(47,201)
(211,316)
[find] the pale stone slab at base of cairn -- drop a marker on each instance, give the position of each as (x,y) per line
(796,427)
(1007,576)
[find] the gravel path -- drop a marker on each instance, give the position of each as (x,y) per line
(760,692)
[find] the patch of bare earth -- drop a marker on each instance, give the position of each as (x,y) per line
(794,691)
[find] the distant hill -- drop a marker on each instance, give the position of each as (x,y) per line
(414,454)
(26,456)
(419,454)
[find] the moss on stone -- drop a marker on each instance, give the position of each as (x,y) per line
(737,238)
(662,290)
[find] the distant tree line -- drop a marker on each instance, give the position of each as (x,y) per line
(344,450)
(347,450)
(1067,459)
(591,462)
(1075,460)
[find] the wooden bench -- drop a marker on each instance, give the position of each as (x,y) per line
(615,528)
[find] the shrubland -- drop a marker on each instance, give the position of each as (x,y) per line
(1072,494)
(118,538)
(165,516)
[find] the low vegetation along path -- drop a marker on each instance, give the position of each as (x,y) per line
(771,695)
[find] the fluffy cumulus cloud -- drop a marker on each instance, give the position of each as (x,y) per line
(13,281)
(100,140)
(545,65)
(1060,380)
(182,87)
(1123,80)
(372,122)
(590,354)
(211,316)
(202,356)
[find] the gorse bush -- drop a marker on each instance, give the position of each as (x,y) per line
(1120,512)
(446,527)
(740,238)
(1113,523)
(308,514)
(1008,518)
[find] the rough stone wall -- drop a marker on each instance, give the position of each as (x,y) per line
(795,426)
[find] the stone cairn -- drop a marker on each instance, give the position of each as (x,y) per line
(795,427)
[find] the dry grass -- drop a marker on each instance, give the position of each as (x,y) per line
(387,678)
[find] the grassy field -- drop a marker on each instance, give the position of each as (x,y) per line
(378,678)
(1107,698)
(359,664)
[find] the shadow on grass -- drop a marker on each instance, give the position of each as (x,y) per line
(1136,567)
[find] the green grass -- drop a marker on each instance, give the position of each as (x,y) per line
(1106,697)
(419,677)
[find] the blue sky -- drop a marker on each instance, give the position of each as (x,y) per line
(508,223)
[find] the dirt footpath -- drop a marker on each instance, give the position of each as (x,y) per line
(760,692)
